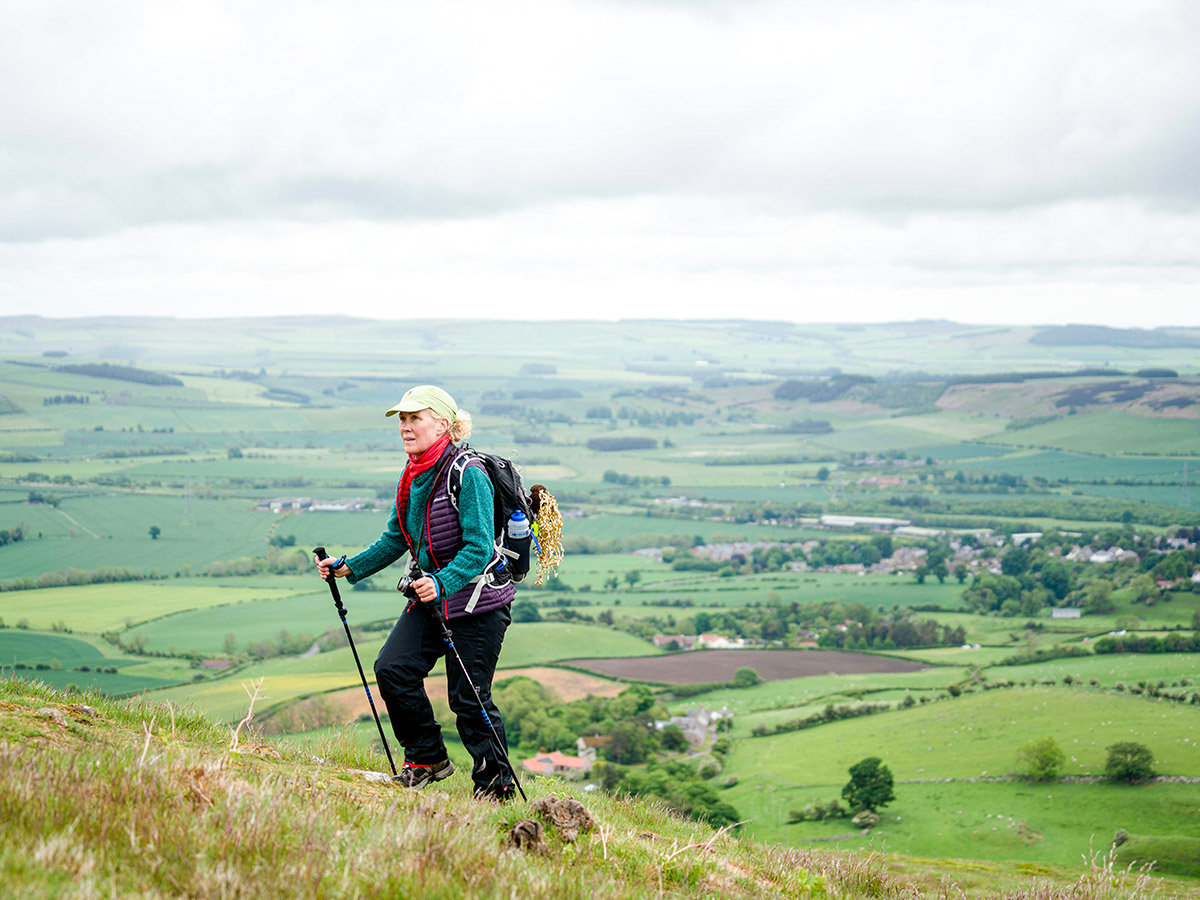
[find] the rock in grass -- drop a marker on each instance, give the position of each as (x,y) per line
(569,816)
(865,819)
(527,835)
(54,715)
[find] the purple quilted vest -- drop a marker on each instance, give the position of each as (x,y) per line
(445,534)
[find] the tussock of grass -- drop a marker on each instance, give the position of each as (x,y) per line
(133,799)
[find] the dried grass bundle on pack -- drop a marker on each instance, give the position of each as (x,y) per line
(547,528)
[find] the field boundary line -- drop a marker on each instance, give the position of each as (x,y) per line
(76,522)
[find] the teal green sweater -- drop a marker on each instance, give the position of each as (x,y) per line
(475,502)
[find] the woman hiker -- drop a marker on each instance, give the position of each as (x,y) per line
(453,548)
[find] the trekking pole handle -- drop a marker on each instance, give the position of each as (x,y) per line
(320,554)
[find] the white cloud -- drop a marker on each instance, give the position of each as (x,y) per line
(654,157)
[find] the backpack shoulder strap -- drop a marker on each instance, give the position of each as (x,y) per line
(466,457)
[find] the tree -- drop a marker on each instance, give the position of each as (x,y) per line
(1056,578)
(823,473)
(1097,596)
(870,785)
(745,677)
(673,739)
(155,531)
(1015,562)
(628,743)
(1129,761)
(1143,588)
(525,611)
(1041,760)
(633,577)
(922,572)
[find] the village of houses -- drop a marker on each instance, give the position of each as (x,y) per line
(699,726)
(982,552)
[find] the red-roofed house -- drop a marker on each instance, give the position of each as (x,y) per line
(555,763)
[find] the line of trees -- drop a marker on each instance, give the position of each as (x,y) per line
(120,373)
(69,577)
(615,444)
(59,399)
(612,476)
(1171,643)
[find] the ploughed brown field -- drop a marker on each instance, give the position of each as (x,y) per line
(720,665)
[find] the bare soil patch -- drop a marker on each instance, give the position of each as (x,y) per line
(720,665)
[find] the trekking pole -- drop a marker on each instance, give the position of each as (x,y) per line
(337,601)
(497,744)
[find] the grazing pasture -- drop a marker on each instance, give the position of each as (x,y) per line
(98,608)
(31,648)
(793,692)
(978,735)
(1110,433)
(1058,824)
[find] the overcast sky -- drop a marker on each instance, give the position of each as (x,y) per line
(862,160)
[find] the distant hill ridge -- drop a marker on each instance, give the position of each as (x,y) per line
(1085,335)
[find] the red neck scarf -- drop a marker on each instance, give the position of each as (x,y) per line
(417,465)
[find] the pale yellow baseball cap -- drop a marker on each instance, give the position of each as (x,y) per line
(426,396)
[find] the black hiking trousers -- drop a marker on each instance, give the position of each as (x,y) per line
(408,655)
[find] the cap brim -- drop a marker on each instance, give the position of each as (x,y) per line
(401,407)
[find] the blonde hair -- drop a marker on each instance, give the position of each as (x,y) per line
(460,430)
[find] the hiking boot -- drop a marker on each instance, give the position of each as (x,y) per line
(499,793)
(417,775)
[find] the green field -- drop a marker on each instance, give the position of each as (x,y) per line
(971,737)
(105,607)
(205,630)
(978,735)
(1108,668)
(1038,824)
(63,659)
(1110,432)
(795,691)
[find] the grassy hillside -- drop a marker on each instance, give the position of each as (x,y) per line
(133,799)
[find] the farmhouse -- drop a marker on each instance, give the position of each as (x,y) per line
(278,504)
(1065,612)
(588,746)
(713,641)
(696,724)
(682,641)
(555,763)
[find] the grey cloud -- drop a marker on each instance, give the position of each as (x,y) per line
(461,110)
